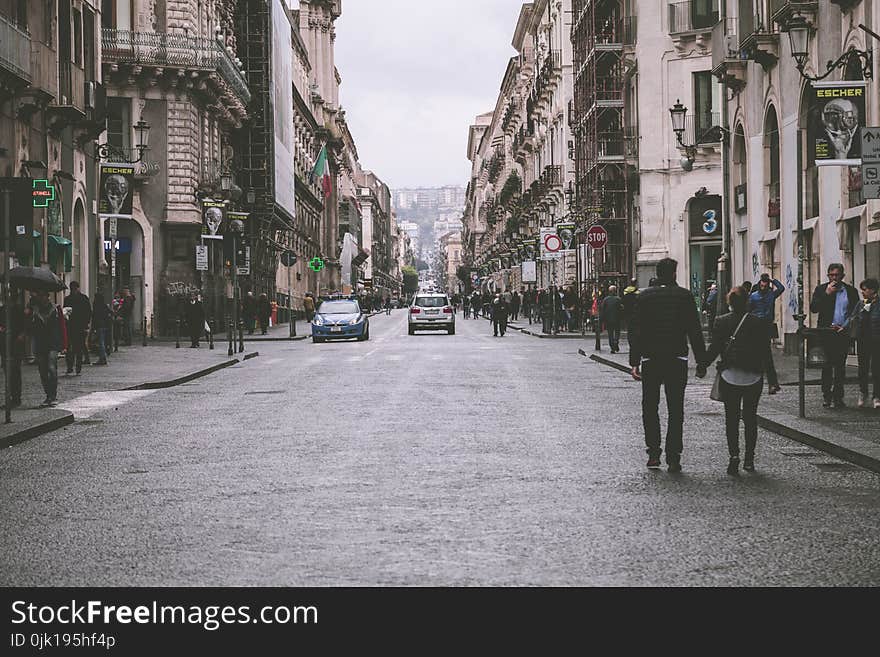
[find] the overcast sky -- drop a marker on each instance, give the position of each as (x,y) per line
(415,73)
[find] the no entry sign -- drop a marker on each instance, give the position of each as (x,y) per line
(597,237)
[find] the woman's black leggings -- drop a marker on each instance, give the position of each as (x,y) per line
(741,402)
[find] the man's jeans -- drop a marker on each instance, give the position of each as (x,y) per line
(76,348)
(102,344)
(671,373)
(614,336)
(772,378)
(834,371)
(47,363)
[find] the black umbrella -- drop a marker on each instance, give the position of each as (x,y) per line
(36,279)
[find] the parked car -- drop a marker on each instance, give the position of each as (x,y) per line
(340,319)
(431,312)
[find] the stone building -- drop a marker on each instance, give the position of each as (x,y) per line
(51,111)
(772,181)
(374,199)
(172,64)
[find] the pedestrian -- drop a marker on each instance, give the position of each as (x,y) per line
(45,324)
(387,305)
(78,320)
(515,301)
(18,339)
(116,328)
(740,338)
(610,314)
(475,304)
(526,304)
(628,300)
(127,314)
(545,304)
(466,305)
(195,320)
(867,320)
(487,304)
(264,312)
(747,286)
(710,307)
(102,320)
(249,312)
(594,310)
(309,306)
(835,302)
(570,303)
(664,321)
(762,300)
(500,309)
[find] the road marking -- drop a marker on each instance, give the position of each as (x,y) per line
(95,402)
(272,361)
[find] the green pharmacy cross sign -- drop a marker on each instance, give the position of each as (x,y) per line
(316,264)
(43,193)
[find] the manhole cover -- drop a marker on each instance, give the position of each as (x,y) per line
(836,467)
(266,392)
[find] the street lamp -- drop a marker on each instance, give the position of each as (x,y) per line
(142,134)
(799,32)
(678,113)
(236,229)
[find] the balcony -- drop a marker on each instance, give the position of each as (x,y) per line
(163,52)
(15,51)
(757,35)
(782,10)
(702,129)
(692,16)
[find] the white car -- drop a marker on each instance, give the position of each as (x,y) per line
(431,311)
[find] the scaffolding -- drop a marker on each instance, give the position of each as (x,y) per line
(604,172)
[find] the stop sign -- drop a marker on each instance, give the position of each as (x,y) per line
(597,237)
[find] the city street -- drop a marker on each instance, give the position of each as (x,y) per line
(420,460)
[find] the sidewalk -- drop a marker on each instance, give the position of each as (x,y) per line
(158,365)
(851,433)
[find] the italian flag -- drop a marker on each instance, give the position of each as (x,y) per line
(322,170)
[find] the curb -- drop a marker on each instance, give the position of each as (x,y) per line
(62,420)
(766,422)
(159,385)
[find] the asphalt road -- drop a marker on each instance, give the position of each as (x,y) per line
(420,460)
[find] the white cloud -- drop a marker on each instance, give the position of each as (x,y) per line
(414,76)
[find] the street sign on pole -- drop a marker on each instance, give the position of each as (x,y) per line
(551,244)
(597,237)
(288,258)
(245,269)
(870,138)
(871,180)
(201,257)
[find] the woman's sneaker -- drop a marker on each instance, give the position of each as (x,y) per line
(749,463)
(733,466)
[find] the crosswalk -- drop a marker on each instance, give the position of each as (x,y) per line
(93,403)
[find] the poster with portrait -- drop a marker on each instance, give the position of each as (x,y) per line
(116,190)
(213,219)
(566,234)
(836,115)
(529,248)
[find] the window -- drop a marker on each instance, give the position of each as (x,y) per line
(89,44)
(771,147)
(705,105)
(118,122)
(339,308)
(431,302)
(77,54)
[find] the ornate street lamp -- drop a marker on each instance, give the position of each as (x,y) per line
(142,137)
(799,32)
(678,113)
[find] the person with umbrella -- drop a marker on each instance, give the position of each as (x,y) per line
(45,326)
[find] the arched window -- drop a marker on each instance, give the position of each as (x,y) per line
(771,168)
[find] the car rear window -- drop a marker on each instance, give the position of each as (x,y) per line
(431,302)
(339,308)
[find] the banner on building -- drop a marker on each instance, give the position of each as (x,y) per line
(116,190)
(836,115)
(529,249)
(529,271)
(213,219)
(566,234)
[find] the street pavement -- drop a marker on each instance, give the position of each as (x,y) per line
(421,460)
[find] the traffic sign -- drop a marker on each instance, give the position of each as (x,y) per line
(288,258)
(871,180)
(201,257)
(551,244)
(870,145)
(597,237)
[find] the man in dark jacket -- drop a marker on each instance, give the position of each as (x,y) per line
(610,312)
(499,315)
(195,320)
(664,320)
(835,302)
(867,317)
(762,301)
(77,326)
(45,327)
(249,312)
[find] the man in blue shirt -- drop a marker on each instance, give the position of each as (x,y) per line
(762,301)
(835,302)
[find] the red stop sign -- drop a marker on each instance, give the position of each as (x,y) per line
(597,237)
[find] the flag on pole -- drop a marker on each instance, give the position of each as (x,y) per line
(321,171)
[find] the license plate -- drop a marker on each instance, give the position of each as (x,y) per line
(335,329)
(433,312)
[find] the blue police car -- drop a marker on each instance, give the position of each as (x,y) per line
(340,319)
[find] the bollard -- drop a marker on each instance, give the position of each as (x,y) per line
(598,334)
(240,337)
(115,331)
(152,326)
(211,334)
(144,332)
(177,334)
(229,336)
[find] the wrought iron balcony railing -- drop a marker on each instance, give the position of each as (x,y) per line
(15,49)
(173,50)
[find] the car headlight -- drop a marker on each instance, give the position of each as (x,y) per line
(356,320)
(318,321)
